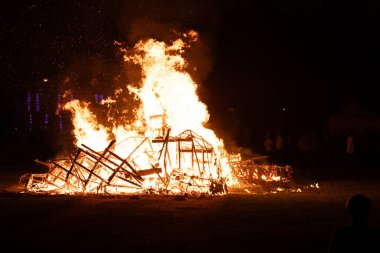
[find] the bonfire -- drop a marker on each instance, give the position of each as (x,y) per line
(166,150)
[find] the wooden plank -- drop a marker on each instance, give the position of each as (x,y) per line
(158,174)
(196,156)
(129,181)
(61,167)
(138,146)
(198,150)
(72,164)
(172,139)
(149,171)
(164,143)
(93,173)
(134,175)
(179,154)
(98,160)
(167,154)
(129,166)
(118,169)
(101,162)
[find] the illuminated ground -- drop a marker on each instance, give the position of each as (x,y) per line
(238,222)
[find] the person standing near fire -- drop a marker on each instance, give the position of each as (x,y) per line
(279,147)
(350,149)
(359,236)
(268,144)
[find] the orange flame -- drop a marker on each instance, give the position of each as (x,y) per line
(168,98)
(166,149)
(87,130)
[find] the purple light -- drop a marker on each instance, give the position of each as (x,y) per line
(29,101)
(30,122)
(37,102)
(46,119)
(59,103)
(98,98)
(60,123)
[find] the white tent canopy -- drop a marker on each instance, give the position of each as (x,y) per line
(353,116)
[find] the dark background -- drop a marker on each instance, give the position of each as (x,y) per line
(254,58)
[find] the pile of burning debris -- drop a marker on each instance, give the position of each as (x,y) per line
(150,170)
(250,171)
(157,154)
(147,169)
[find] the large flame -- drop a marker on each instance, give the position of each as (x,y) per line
(167,89)
(169,100)
(86,128)
(166,148)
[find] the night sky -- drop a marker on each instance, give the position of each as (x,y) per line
(254,58)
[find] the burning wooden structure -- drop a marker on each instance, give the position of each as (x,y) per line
(251,172)
(182,164)
(167,165)
(166,149)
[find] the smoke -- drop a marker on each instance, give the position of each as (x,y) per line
(198,56)
(135,21)
(163,20)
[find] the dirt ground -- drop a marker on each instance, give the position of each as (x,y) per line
(237,222)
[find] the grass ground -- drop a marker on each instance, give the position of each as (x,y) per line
(237,222)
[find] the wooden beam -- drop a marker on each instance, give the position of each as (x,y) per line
(98,160)
(72,164)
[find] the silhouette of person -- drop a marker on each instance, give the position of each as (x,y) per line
(279,141)
(359,236)
(268,143)
(279,147)
(350,147)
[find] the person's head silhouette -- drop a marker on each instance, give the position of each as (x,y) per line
(358,207)
(358,236)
